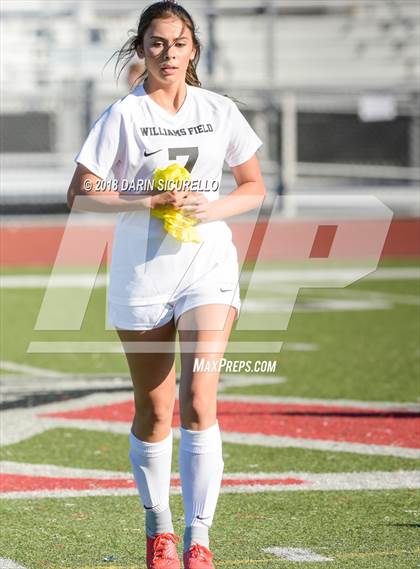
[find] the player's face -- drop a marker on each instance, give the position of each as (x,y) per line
(167,48)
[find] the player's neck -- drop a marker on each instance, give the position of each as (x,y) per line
(170,97)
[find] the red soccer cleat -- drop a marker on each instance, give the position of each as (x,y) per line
(198,557)
(162,553)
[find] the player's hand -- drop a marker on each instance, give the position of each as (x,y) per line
(196,206)
(175,198)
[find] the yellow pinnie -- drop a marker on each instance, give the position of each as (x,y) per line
(173,178)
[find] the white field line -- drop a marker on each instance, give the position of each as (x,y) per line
(6,563)
(410,299)
(302,277)
(81,280)
(253,305)
(52,470)
(21,424)
(88,347)
(27,382)
(300,347)
(411,477)
(74,493)
(21,368)
(240,380)
(305,277)
(56,347)
(308,481)
(88,376)
(344,299)
(342,305)
(116,427)
(319,444)
(377,405)
(296,554)
(21,388)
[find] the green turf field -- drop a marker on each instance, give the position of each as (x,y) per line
(365,354)
(361,530)
(109,451)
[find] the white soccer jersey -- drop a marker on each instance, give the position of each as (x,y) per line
(132,138)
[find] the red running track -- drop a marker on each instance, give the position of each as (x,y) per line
(288,240)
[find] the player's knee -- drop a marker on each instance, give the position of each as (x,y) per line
(197,412)
(154,413)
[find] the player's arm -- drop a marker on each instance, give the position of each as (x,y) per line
(87,192)
(249,194)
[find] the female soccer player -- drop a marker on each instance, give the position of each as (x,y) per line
(160,286)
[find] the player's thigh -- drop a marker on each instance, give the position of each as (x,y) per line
(212,320)
(203,335)
(151,359)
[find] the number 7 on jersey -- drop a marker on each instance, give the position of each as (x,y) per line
(191,152)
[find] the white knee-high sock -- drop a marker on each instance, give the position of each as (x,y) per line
(201,469)
(151,463)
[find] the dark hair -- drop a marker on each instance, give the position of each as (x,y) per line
(155,11)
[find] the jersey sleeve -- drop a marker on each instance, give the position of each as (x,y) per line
(104,143)
(243,141)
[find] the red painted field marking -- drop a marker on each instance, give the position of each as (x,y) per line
(27,483)
(345,424)
(19,482)
(24,483)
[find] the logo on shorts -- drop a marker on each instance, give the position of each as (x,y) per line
(225,289)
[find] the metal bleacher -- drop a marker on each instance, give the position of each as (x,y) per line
(326,52)
(356,43)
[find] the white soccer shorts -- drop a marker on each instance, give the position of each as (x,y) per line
(212,289)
